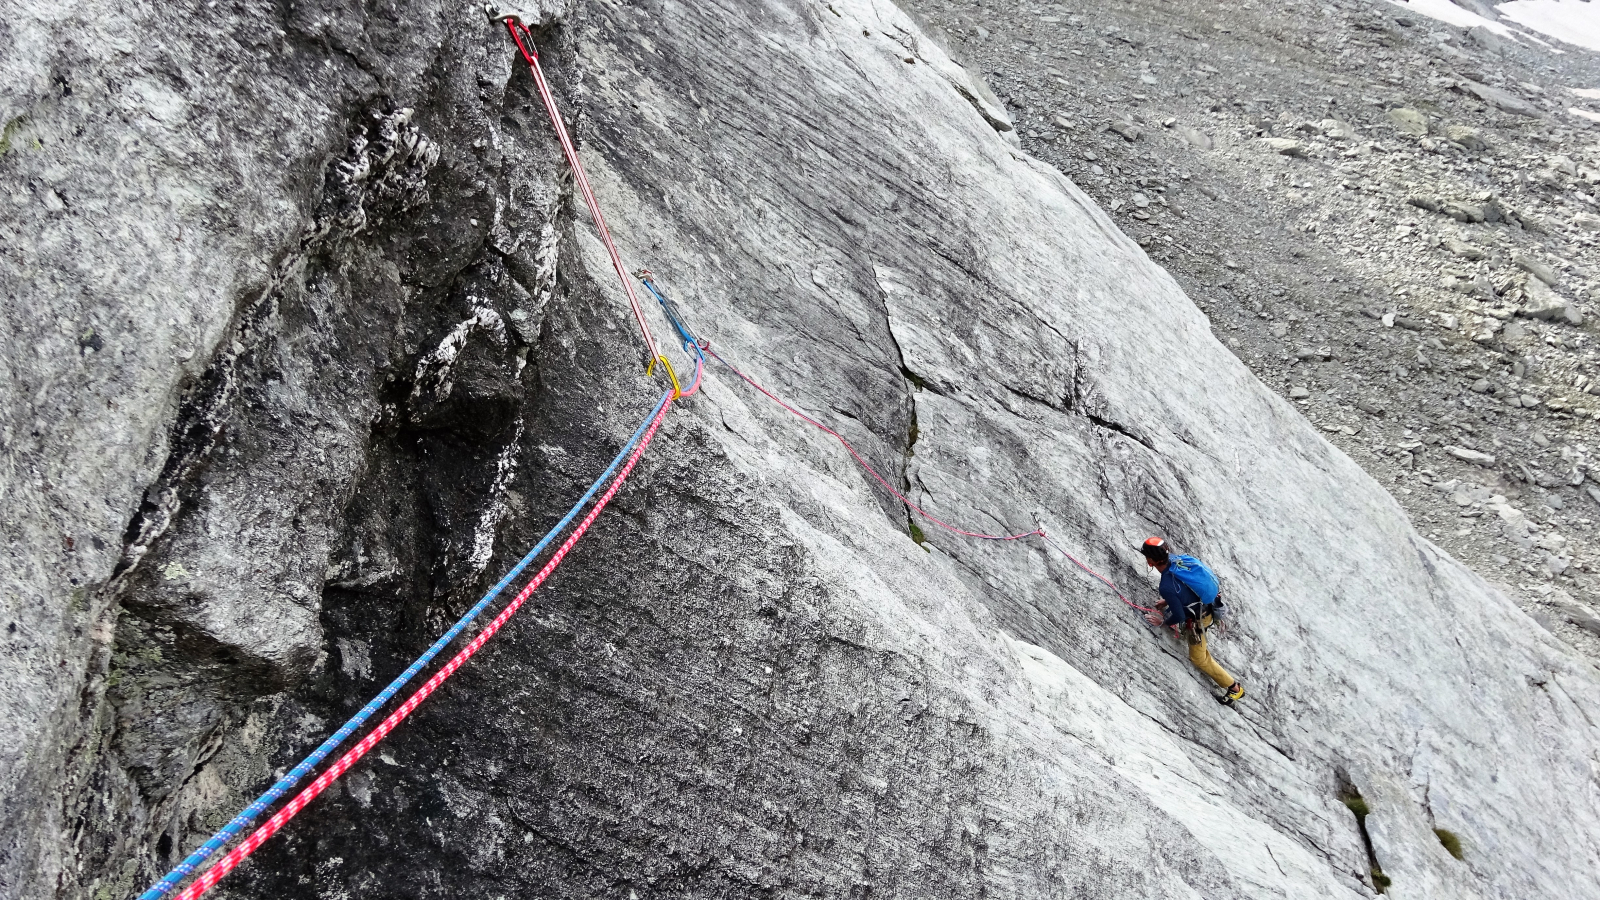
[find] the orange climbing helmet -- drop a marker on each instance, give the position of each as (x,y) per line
(1155,551)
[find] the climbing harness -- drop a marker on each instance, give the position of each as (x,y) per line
(519,32)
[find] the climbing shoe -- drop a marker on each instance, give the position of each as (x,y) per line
(1234,693)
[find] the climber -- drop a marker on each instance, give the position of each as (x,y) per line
(1193,601)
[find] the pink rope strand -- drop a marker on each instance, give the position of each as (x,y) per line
(582,179)
(1038,532)
(868,466)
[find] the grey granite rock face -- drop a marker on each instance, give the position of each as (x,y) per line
(225,253)
(353,360)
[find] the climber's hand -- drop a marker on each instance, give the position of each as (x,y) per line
(1154,618)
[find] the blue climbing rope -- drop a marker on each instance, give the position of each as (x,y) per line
(246,817)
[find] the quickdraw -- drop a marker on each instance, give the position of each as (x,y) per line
(668,307)
(671,375)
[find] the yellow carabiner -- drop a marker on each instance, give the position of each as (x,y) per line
(677,390)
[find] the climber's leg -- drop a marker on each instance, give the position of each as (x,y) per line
(1200,655)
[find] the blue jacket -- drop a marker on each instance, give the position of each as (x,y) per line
(1187,582)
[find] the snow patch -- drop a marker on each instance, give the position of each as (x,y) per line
(1451,14)
(1576,22)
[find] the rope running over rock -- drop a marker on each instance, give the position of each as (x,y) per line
(227,864)
(633,450)
(250,813)
(1037,532)
(520,31)
(524,42)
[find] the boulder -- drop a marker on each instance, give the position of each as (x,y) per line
(1467,136)
(1408,121)
(1283,146)
(1465,250)
(1499,99)
(1542,302)
(1472,456)
(1537,269)
(1194,137)
(1338,130)
(1465,212)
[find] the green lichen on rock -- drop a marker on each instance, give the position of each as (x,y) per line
(917,534)
(1450,840)
(1357,806)
(8,134)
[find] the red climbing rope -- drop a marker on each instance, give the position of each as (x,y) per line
(1101,578)
(227,864)
(868,466)
(518,32)
(1037,532)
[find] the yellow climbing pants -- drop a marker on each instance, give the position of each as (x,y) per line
(1200,655)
